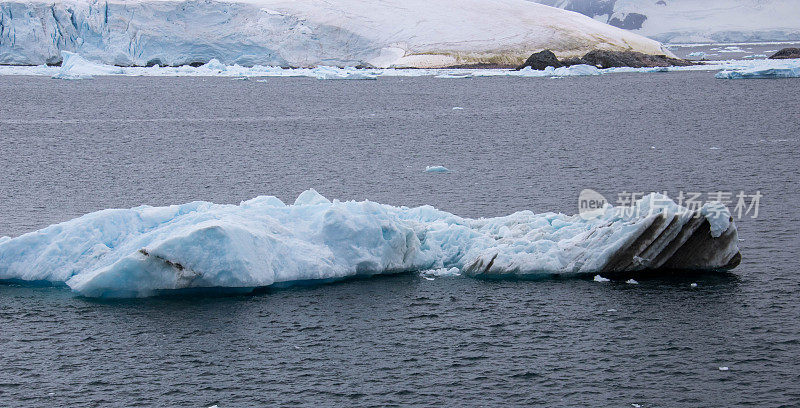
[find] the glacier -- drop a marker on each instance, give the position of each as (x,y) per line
(145,251)
(693,21)
(301,33)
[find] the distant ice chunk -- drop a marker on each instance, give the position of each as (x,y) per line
(73,66)
(574,70)
(769,69)
(436,169)
(214,65)
(342,73)
(598,278)
(441,272)
(723,368)
(631,282)
(697,54)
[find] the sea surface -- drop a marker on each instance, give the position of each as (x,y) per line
(72,147)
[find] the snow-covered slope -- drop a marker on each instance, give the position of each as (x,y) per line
(299,33)
(696,21)
(147,250)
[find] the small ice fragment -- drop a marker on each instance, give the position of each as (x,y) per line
(441,272)
(297,347)
(436,169)
(636,406)
(598,278)
(611,310)
(428,278)
(458,108)
(714,148)
(723,368)
(694,285)
(454,76)
(652,147)
(632,282)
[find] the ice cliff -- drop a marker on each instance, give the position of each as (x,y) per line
(146,250)
(301,33)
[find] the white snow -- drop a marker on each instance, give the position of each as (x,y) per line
(300,33)
(696,21)
(436,169)
(145,250)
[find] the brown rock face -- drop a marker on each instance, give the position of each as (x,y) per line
(605,59)
(786,53)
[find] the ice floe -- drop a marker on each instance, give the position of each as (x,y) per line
(436,169)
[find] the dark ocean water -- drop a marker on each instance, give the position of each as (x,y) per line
(67,148)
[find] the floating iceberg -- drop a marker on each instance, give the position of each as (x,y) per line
(147,250)
(436,169)
(73,66)
(761,72)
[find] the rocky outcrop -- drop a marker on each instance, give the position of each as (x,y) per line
(605,59)
(786,53)
(542,60)
(633,59)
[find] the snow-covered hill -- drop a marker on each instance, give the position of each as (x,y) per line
(696,21)
(381,33)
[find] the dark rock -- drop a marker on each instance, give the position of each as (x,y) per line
(604,59)
(613,59)
(632,21)
(541,60)
(786,53)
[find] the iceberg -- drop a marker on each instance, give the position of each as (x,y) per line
(73,66)
(761,72)
(301,33)
(145,251)
(436,169)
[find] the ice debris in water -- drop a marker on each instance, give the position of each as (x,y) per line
(146,250)
(632,282)
(598,278)
(458,108)
(723,368)
(73,66)
(764,69)
(693,285)
(436,169)
(441,272)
